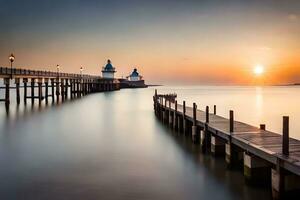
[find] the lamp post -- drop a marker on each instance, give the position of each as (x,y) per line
(57,69)
(57,82)
(81,70)
(81,82)
(11,59)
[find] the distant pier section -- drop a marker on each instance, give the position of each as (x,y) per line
(266,158)
(134,80)
(52,86)
(57,86)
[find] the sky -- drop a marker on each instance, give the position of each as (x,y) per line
(211,42)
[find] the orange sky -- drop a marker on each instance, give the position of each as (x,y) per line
(173,43)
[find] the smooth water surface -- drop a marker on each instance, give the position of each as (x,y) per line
(111,146)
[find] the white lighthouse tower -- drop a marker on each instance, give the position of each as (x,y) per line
(108,71)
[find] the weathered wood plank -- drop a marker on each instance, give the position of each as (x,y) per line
(262,143)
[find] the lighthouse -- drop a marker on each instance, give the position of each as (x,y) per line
(134,76)
(108,71)
(134,80)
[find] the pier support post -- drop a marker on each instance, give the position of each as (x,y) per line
(256,170)
(25,81)
(165,114)
(285,136)
(17,82)
(40,91)
(262,127)
(72,88)
(170,115)
(195,133)
(46,80)
(83,87)
(52,90)
(207,136)
(284,181)
(57,90)
(66,88)
(277,181)
(217,146)
(175,120)
(62,86)
(184,121)
(77,89)
(7,98)
(32,90)
(160,109)
(234,155)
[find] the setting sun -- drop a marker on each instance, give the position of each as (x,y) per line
(258,70)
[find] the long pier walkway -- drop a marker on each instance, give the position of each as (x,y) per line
(54,85)
(266,157)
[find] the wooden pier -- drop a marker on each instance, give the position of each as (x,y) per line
(54,85)
(266,158)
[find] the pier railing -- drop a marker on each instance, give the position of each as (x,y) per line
(17,72)
(56,85)
(266,157)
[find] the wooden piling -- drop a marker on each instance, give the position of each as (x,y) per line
(285,136)
(52,90)
(207,135)
(57,90)
(17,82)
(40,90)
(215,109)
(25,81)
(170,115)
(184,122)
(175,121)
(231,121)
(66,88)
(195,135)
(262,127)
(32,90)
(207,114)
(7,98)
(72,88)
(62,89)
(77,88)
(46,81)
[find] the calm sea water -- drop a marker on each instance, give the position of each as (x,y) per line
(111,146)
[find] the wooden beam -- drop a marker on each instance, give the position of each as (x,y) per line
(285,136)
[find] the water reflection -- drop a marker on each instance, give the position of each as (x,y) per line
(216,168)
(109,146)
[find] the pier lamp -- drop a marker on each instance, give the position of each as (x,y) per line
(81,70)
(11,59)
(57,69)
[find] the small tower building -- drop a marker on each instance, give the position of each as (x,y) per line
(108,71)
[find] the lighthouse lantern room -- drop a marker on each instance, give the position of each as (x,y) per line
(108,71)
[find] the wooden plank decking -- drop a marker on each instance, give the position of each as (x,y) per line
(262,143)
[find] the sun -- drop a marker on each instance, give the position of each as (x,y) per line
(258,70)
